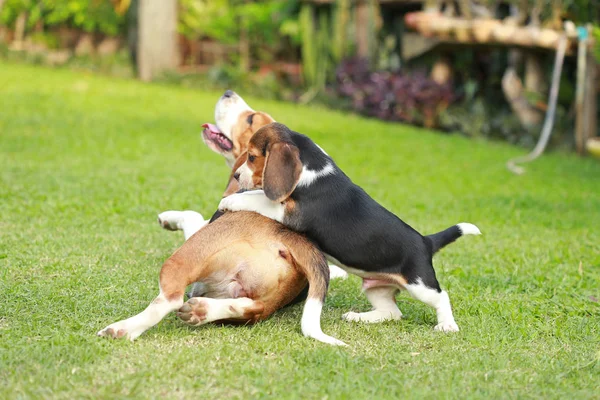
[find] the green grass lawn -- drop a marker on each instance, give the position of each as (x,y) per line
(87,163)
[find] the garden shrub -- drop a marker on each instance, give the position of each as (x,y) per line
(88,15)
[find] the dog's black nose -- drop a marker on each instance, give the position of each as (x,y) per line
(236,176)
(228,93)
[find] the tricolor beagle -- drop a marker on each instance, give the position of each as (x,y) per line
(244,266)
(305,190)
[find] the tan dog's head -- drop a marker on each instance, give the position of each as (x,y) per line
(272,163)
(236,122)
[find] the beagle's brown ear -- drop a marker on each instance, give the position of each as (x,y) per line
(282,171)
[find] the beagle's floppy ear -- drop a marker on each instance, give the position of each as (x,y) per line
(282,171)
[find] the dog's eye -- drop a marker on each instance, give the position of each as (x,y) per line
(251,158)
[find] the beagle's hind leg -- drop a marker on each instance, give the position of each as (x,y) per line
(336,272)
(384,304)
(202,310)
(439,300)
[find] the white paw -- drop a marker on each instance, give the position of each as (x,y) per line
(372,317)
(174,220)
(447,327)
(336,272)
(119,330)
(232,202)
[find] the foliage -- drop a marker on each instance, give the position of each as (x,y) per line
(596,34)
(580,11)
(89,15)
(220,19)
(263,25)
(266,85)
(324,43)
(309,46)
(393,96)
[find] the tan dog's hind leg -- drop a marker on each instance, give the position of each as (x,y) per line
(190,263)
(170,298)
(133,327)
(202,310)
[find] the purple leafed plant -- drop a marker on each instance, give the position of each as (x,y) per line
(393,96)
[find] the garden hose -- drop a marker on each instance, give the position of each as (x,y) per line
(549,120)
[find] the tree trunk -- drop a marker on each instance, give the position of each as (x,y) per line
(512,86)
(157,39)
(591,97)
(535,80)
(362,29)
(442,70)
(19,31)
(244,46)
(515,95)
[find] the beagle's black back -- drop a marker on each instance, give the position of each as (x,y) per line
(352,227)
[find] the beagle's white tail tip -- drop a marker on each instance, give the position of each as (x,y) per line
(468,229)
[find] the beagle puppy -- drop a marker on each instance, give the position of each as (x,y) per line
(244,266)
(304,189)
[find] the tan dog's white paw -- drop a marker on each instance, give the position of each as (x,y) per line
(120,330)
(193,312)
(174,220)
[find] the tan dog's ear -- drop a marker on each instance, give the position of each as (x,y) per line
(233,186)
(282,171)
(260,119)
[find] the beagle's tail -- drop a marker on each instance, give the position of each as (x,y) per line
(444,238)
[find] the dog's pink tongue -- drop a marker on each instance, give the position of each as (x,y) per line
(213,128)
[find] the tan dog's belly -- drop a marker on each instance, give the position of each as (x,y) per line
(249,269)
(240,255)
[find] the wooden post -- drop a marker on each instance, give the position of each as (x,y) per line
(398,24)
(157,39)
(244,47)
(591,85)
(244,44)
(362,28)
(580,95)
(19,31)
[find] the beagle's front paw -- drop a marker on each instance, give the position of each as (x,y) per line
(232,202)
(253,200)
